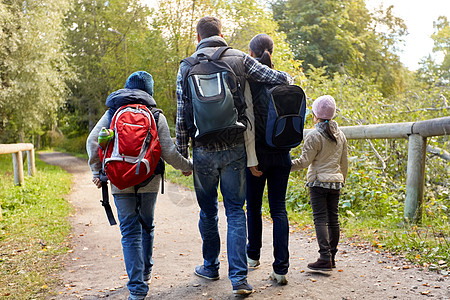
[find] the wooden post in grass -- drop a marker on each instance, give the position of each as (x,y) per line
(18,168)
(16,151)
(31,162)
(415,178)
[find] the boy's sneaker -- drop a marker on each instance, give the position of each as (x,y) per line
(201,271)
(320,265)
(252,263)
(243,289)
(148,278)
(281,279)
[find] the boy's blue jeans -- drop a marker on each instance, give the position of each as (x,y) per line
(228,168)
(275,168)
(137,244)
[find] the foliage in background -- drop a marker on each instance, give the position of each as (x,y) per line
(343,36)
(33,230)
(101,41)
(33,67)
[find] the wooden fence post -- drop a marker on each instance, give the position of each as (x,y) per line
(18,168)
(31,162)
(415,178)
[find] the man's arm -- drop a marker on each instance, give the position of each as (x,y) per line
(182,135)
(262,73)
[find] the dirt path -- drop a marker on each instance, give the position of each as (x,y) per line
(94,267)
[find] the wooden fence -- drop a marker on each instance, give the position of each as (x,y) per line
(16,151)
(417,133)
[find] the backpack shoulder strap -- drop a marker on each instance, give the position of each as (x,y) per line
(190,61)
(155,112)
(219,52)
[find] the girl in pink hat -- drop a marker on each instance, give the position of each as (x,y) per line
(325,154)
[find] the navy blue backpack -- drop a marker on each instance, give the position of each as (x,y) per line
(285,116)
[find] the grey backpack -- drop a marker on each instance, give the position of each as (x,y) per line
(214,104)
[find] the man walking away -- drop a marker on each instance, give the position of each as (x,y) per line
(221,161)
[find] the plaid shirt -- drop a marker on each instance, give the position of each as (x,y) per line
(253,70)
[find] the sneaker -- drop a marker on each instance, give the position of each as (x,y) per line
(320,265)
(201,271)
(281,279)
(148,278)
(243,289)
(252,263)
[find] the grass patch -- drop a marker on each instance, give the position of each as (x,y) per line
(175,176)
(33,230)
(426,245)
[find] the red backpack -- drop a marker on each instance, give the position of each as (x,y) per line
(132,155)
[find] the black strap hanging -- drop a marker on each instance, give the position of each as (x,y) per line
(105,199)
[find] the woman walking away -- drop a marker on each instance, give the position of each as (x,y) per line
(325,152)
(274,166)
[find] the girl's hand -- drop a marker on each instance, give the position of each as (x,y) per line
(255,171)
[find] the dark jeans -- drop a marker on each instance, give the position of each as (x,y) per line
(275,168)
(325,207)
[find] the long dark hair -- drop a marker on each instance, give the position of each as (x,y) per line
(262,45)
(328,131)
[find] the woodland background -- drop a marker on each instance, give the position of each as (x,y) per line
(59,60)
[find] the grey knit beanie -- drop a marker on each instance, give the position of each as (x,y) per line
(140,80)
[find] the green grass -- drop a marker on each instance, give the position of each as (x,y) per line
(175,176)
(33,230)
(426,245)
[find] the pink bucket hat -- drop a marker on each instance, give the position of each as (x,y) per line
(324,107)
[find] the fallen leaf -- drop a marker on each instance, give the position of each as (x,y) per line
(340,270)
(312,279)
(425,292)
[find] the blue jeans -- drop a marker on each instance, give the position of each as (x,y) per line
(228,168)
(275,168)
(137,244)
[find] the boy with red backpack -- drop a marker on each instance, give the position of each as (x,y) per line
(135,204)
